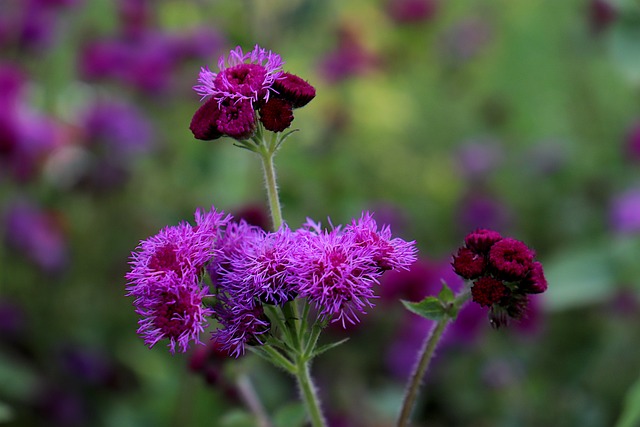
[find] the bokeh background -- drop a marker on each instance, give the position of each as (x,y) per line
(440,116)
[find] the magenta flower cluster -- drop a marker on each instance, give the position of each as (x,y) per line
(504,271)
(249,87)
(335,270)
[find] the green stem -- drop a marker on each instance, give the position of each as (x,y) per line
(309,395)
(427,351)
(271,186)
(426,354)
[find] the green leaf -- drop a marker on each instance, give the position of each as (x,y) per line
(625,43)
(446,294)
(291,415)
(318,351)
(6,413)
(631,412)
(429,308)
(238,418)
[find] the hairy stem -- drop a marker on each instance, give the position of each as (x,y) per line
(309,395)
(271,186)
(426,354)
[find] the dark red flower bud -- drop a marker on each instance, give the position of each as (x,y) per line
(203,124)
(511,259)
(468,264)
(488,291)
(481,240)
(294,89)
(276,115)
(535,282)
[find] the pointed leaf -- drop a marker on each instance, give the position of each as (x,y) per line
(429,308)
(318,351)
(446,294)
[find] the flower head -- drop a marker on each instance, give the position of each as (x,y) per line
(336,273)
(487,291)
(511,259)
(173,310)
(388,253)
(165,280)
(243,76)
(242,324)
(293,89)
(276,115)
(469,264)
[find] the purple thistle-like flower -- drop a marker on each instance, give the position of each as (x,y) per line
(248,76)
(242,324)
(173,310)
(388,253)
(262,270)
(336,272)
(165,279)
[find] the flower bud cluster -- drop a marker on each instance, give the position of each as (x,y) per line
(503,270)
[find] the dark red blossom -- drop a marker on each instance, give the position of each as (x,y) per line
(511,259)
(482,239)
(535,282)
(294,89)
(276,115)
(203,124)
(237,118)
(488,291)
(469,264)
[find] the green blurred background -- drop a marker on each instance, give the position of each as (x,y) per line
(440,116)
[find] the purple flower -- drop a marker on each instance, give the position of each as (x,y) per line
(477,158)
(173,309)
(336,272)
(411,11)
(242,324)
(389,253)
(165,279)
(350,58)
(262,270)
(624,212)
(633,142)
(243,76)
(117,128)
(36,234)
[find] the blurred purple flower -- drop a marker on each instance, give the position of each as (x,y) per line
(62,408)
(350,58)
(26,136)
(147,61)
(117,129)
(601,14)
(466,39)
(37,235)
(482,211)
(89,365)
(13,320)
(411,11)
(624,213)
(633,142)
(477,158)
